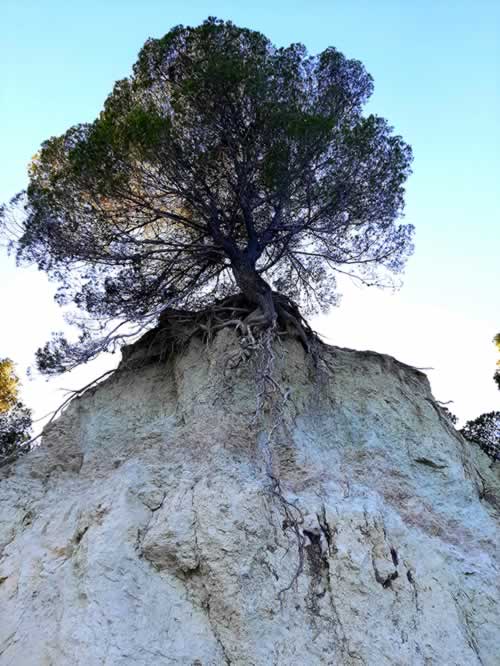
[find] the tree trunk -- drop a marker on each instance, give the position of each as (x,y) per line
(255,288)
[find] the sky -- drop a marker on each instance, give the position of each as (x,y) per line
(436,68)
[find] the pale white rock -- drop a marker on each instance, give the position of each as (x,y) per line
(157,525)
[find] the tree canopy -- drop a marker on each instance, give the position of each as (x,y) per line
(223,164)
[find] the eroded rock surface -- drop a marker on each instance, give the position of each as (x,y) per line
(156,526)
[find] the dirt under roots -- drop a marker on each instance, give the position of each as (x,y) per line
(176,328)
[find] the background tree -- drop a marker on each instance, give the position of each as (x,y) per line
(9,385)
(222,165)
(15,418)
(485,431)
(496,376)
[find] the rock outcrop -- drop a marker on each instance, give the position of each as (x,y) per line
(158,524)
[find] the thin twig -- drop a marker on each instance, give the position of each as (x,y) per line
(75,393)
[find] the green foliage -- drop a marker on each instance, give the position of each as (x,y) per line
(15,418)
(15,429)
(496,376)
(485,431)
(9,385)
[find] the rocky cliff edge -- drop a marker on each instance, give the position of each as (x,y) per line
(161,522)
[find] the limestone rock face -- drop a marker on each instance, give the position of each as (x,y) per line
(161,522)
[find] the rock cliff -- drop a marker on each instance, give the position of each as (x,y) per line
(158,524)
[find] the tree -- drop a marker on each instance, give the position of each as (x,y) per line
(8,385)
(485,431)
(496,376)
(15,429)
(15,418)
(223,164)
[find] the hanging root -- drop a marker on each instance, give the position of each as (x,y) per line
(293,521)
(272,399)
(259,340)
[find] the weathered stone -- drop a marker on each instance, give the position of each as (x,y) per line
(156,525)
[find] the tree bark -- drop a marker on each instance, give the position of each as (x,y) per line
(255,288)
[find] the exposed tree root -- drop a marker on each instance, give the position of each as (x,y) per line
(177,327)
(258,340)
(272,400)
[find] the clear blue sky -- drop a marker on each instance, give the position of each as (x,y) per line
(436,68)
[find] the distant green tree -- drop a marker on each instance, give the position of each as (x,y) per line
(8,385)
(485,431)
(496,376)
(15,429)
(15,418)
